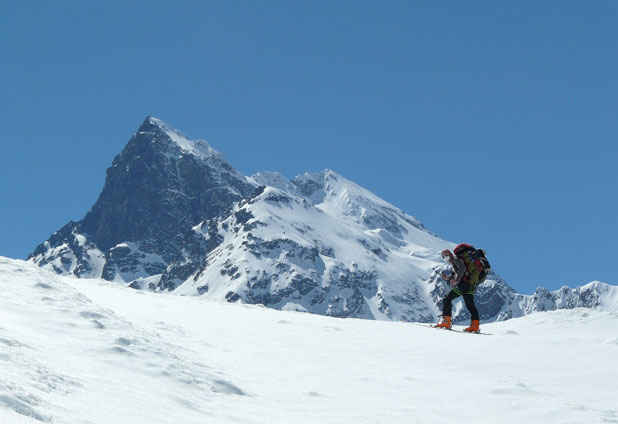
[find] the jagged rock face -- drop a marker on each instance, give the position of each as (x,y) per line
(159,187)
(593,295)
(67,252)
(154,191)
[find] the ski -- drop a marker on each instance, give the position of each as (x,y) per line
(455,330)
(445,328)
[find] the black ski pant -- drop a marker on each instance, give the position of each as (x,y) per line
(462,289)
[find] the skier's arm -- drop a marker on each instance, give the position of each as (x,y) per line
(449,277)
(459,269)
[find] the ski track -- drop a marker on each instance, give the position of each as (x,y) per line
(90,351)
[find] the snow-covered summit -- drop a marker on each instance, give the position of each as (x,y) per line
(339,196)
(275,179)
(198,147)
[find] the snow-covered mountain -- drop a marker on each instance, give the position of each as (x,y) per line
(175,216)
(324,245)
(98,352)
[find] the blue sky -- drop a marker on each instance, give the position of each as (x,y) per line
(494,123)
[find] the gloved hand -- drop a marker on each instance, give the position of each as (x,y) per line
(447,275)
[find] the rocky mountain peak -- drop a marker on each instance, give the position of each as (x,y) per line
(157,188)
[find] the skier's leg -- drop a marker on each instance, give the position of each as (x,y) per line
(447,303)
(447,307)
(469,301)
(474,313)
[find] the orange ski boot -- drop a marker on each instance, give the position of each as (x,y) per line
(446,323)
(474,327)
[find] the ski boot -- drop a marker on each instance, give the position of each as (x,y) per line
(474,327)
(446,323)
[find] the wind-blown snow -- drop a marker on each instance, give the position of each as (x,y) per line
(76,351)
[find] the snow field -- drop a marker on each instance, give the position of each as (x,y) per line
(91,351)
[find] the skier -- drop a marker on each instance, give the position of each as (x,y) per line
(459,280)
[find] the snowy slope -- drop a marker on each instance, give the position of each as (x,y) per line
(75,351)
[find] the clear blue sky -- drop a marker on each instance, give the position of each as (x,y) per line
(494,123)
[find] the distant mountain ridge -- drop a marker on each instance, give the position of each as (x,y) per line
(175,215)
